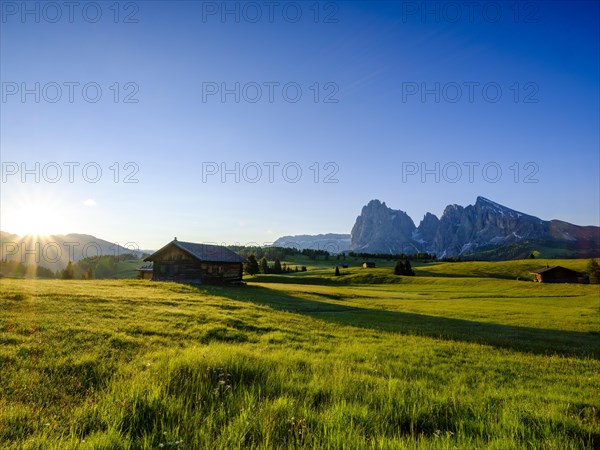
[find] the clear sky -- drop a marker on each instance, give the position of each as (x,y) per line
(418,104)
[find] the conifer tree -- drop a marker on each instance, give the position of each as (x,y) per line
(593,270)
(263,265)
(251,266)
(399,268)
(408,269)
(69,272)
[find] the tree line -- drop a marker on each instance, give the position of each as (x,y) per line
(274,253)
(106,266)
(252,266)
(18,269)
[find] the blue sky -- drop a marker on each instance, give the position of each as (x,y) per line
(529,107)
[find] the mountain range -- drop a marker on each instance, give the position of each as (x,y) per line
(332,242)
(485,230)
(55,251)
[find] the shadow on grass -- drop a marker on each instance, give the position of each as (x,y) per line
(523,339)
(346,279)
(423,272)
(297,278)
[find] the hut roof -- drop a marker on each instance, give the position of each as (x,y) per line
(202,252)
(553,268)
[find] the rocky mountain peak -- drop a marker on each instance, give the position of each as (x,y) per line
(484,201)
(452,210)
(375,204)
(463,230)
(380,227)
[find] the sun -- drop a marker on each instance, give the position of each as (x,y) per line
(34,218)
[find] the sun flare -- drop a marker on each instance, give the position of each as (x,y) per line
(35,218)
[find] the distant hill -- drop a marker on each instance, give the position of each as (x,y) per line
(55,251)
(484,230)
(333,243)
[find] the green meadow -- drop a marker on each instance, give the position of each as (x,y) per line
(464,355)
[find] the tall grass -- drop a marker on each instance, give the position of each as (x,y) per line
(135,364)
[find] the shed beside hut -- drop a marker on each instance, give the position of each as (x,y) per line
(145,272)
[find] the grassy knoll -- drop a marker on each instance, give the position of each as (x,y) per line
(128,268)
(424,362)
(510,270)
(499,269)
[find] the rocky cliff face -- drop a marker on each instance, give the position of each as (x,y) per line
(380,229)
(486,223)
(463,230)
(428,228)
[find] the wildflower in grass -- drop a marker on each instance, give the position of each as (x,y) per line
(298,428)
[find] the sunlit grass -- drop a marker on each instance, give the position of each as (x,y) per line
(427,362)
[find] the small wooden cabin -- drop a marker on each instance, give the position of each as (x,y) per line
(187,262)
(368,265)
(145,272)
(558,274)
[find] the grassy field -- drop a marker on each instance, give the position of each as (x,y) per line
(497,269)
(362,361)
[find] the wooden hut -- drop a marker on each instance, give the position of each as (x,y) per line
(558,274)
(187,262)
